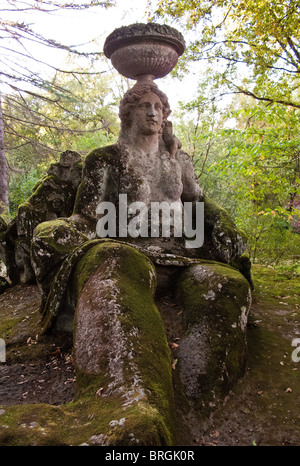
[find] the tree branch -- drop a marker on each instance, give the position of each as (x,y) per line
(256,97)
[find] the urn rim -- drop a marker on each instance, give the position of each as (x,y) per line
(139,33)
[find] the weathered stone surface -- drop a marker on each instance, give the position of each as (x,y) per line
(144,49)
(120,345)
(52,197)
(145,172)
(216,299)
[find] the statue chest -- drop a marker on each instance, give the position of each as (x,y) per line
(151,178)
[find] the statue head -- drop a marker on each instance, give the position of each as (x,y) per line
(129,106)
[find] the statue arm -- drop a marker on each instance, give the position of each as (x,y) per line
(53,241)
(228,240)
(92,191)
(192,190)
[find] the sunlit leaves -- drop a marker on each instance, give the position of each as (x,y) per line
(257,39)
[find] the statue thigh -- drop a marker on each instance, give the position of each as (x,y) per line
(118,331)
(216,300)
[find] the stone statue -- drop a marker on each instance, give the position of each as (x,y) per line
(52,197)
(99,282)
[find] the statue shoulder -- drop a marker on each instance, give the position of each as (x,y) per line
(102,155)
(184,158)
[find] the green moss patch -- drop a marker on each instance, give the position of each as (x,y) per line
(94,422)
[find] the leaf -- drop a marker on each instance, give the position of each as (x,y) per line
(175,361)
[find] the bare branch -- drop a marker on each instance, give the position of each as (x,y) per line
(266,99)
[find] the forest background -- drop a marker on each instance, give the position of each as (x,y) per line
(238,117)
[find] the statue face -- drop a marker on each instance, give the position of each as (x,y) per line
(148,115)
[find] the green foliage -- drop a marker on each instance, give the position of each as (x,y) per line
(261,35)
(21,187)
(252,162)
(38,127)
(37,131)
(261,167)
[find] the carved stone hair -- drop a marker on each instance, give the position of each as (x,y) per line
(130,99)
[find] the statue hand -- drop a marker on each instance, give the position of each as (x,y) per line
(227,241)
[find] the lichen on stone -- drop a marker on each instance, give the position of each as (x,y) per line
(215,323)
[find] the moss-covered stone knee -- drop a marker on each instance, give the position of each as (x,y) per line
(52,242)
(120,347)
(216,299)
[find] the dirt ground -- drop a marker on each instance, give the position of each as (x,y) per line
(263,409)
(37,369)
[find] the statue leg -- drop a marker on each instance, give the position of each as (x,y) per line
(120,347)
(216,299)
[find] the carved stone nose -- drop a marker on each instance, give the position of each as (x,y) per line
(152,111)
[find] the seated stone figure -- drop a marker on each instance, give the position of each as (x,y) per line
(103,288)
(145,168)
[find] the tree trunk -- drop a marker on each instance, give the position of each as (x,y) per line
(4,206)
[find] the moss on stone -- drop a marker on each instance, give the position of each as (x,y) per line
(216,301)
(145,340)
(228,241)
(260,396)
(214,213)
(93,422)
(25,205)
(104,154)
(108,249)
(89,193)
(231,285)
(60,234)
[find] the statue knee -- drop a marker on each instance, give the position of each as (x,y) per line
(117,324)
(216,300)
(211,288)
(52,241)
(119,262)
